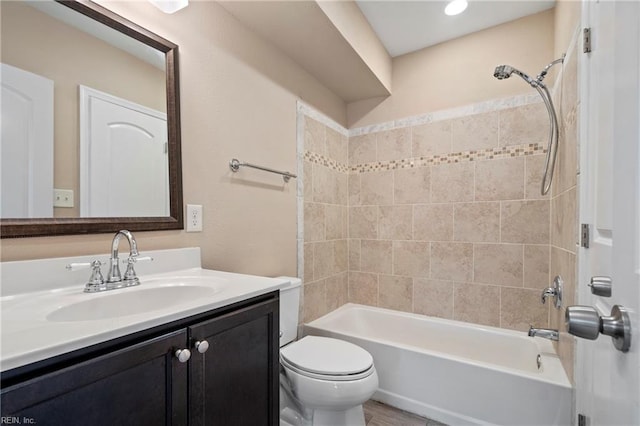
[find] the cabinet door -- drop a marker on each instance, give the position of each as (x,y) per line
(143,384)
(235,382)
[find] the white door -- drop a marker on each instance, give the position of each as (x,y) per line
(607,380)
(26,146)
(124,169)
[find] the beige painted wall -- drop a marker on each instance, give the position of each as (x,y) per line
(238,99)
(35,42)
(460,71)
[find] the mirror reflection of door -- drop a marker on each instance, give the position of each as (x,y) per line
(123,152)
(26,144)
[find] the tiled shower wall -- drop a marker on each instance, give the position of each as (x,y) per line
(564,201)
(442,215)
(446,217)
(323,199)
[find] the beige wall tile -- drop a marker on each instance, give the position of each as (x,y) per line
(525,124)
(567,161)
(337,291)
(363,222)
(534,170)
(525,222)
(323,259)
(340,256)
(433,222)
(333,219)
(376,188)
(536,267)
(308,262)
(362,149)
(354,255)
(315,304)
(476,303)
(375,256)
(474,132)
(498,264)
(395,222)
(337,146)
(314,227)
(394,144)
(314,136)
(452,182)
(396,293)
(363,288)
(564,229)
(431,139)
(433,297)
(411,258)
(307,175)
(563,263)
(354,189)
(476,222)
(500,179)
(412,186)
(325,185)
(569,82)
(521,308)
(452,261)
(342,191)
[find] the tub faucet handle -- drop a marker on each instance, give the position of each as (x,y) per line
(555,291)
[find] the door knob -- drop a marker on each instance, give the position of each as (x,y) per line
(585,322)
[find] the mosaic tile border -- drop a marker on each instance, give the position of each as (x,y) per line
(321,160)
(435,160)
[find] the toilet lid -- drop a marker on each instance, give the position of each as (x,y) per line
(327,356)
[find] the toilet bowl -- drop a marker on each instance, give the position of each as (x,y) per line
(323,381)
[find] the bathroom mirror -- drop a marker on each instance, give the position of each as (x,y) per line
(106,151)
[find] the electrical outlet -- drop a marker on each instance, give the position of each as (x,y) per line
(194,218)
(62,198)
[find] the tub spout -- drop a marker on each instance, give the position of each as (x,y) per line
(547,333)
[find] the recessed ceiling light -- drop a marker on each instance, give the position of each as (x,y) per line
(455,7)
(170,6)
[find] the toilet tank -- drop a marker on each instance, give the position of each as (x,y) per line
(289,308)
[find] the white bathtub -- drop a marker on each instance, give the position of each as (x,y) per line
(456,372)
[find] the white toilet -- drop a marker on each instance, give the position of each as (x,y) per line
(323,381)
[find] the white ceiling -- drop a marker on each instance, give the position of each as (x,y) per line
(406,26)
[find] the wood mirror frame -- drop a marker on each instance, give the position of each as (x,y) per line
(12,228)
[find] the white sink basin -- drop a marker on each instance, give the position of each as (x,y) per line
(132,301)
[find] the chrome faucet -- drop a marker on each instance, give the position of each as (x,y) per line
(547,333)
(114,275)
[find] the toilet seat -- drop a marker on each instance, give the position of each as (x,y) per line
(326,358)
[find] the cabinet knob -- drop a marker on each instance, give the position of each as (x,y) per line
(183,355)
(201,346)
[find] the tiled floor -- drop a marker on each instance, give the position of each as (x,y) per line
(379,414)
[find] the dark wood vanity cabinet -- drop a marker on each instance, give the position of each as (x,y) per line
(234,382)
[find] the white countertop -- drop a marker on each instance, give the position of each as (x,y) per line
(29,336)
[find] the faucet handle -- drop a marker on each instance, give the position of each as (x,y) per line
(130,273)
(135,259)
(96,280)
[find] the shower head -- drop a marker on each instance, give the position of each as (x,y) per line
(503,72)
